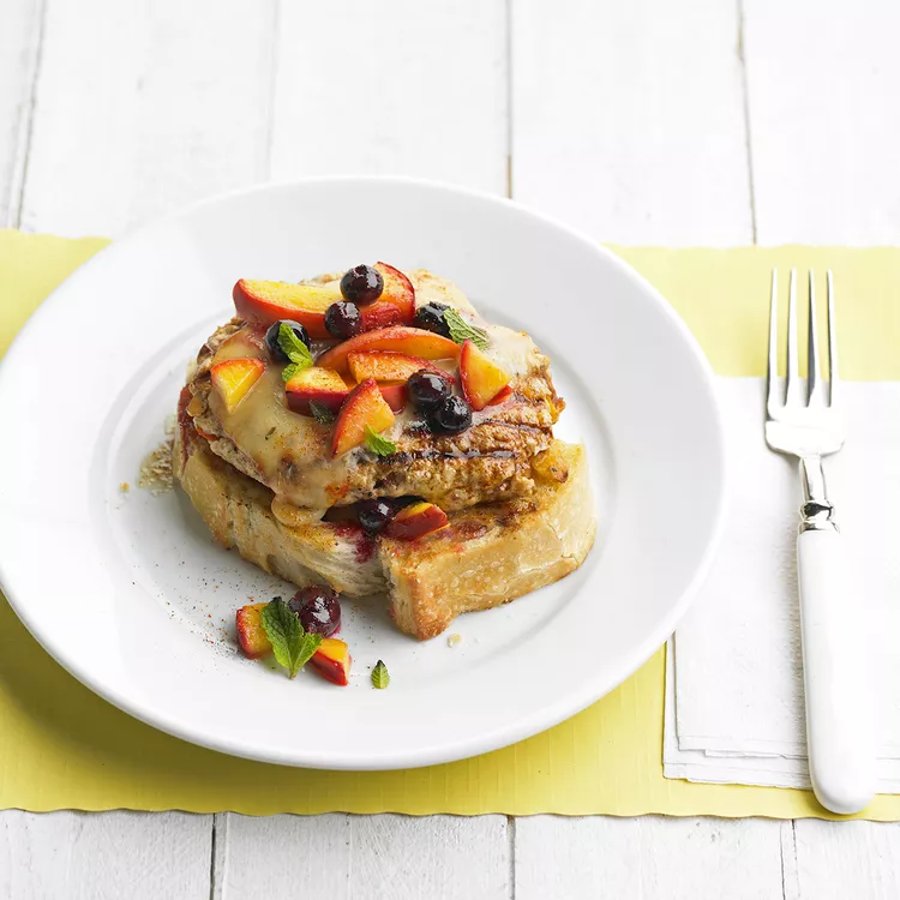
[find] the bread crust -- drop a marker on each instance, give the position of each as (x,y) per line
(489,555)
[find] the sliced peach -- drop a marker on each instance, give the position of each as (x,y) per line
(332,661)
(269,301)
(387,365)
(364,407)
(394,395)
(415,520)
(234,378)
(396,338)
(481,378)
(250,632)
(395,306)
(323,386)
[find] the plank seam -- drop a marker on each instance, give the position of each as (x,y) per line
(509,97)
(212,857)
(26,130)
(745,96)
(511,838)
(273,82)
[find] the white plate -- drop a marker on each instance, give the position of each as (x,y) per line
(128,591)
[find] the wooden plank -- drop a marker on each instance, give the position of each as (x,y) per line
(108,855)
(825,122)
(20,34)
(847,859)
(628,119)
(406,88)
(647,857)
(142,107)
(340,856)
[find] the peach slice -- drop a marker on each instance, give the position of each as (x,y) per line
(269,301)
(394,395)
(416,520)
(395,306)
(481,378)
(323,386)
(387,365)
(397,338)
(332,661)
(234,378)
(250,632)
(364,407)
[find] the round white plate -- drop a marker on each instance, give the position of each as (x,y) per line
(130,594)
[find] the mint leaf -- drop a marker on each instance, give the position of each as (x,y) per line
(380,676)
(377,444)
(294,349)
(321,413)
(292,646)
(461,330)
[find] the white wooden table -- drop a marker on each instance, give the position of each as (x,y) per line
(653,121)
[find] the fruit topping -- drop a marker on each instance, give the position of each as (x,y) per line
(250,632)
(415,520)
(362,285)
(315,384)
(388,365)
(234,378)
(373,515)
(394,395)
(273,341)
(481,378)
(427,390)
(451,416)
(398,293)
(319,609)
(269,301)
(332,661)
(380,676)
(397,338)
(364,408)
(430,317)
(342,320)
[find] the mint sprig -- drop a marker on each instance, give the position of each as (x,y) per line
(377,444)
(321,413)
(461,330)
(295,350)
(293,647)
(381,678)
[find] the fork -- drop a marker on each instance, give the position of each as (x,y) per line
(839,727)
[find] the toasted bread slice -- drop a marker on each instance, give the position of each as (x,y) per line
(489,554)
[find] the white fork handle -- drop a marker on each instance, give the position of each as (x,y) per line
(839,720)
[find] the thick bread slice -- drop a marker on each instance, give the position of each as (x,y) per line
(489,554)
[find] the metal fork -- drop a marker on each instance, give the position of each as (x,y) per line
(839,727)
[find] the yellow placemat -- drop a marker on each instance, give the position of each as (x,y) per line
(63,747)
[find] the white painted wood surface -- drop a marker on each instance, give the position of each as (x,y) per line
(691,122)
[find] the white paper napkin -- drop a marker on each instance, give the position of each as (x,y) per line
(734,690)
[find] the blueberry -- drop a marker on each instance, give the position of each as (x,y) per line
(319,609)
(431,318)
(362,285)
(278,355)
(373,515)
(427,390)
(342,320)
(451,416)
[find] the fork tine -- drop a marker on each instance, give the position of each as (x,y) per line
(793,367)
(772,401)
(832,340)
(813,379)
